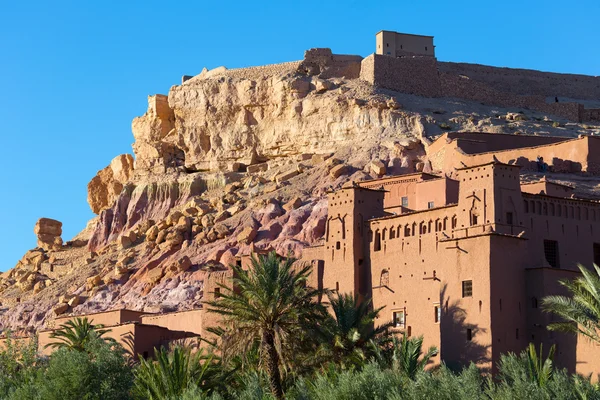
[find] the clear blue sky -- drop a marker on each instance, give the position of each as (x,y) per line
(73,74)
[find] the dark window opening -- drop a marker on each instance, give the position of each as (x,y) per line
(238,263)
(337,245)
(474,220)
(596,253)
(534,302)
(377,245)
(409,331)
(430,204)
(337,286)
(425,48)
(360,261)
(387,45)
(145,355)
(509,218)
(467,288)
(469,334)
(551,252)
(217,293)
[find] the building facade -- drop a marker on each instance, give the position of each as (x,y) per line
(465,262)
(397,44)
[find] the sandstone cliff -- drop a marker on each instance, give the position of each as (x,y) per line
(229,162)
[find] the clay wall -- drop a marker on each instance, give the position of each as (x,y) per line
(527,82)
(398,187)
(413,75)
(476,142)
(547,188)
(106,318)
(328,65)
(436,193)
(186,321)
(574,155)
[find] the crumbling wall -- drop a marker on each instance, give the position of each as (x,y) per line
(324,63)
(413,75)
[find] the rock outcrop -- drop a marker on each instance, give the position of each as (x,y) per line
(48,233)
(106,186)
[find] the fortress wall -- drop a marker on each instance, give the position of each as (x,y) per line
(526,81)
(567,156)
(328,65)
(413,75)
(472,143)
(463,87)
(186,321)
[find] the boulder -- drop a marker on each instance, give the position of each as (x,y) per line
(48,232)
(285,176)
(339,170)
(377,167)
(221,231)
(181,265)
(294,203)
(247,235)
(74,301)
(253,169)
(154,275)
(222,216)
(60,308)
(92,282)
(152,233)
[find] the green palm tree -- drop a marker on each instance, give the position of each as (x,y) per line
(408,356)
(529,366)
(581,310)
(539,370)
(351,335)
(175,371)
(76,334)
(272,305)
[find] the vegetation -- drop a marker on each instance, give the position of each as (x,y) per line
(580,311)
(76,334)
(278,342)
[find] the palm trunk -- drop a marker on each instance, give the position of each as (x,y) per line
(271,359)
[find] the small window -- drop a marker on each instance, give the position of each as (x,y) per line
(534,302)
(145,354)
(437,313)
(398,319)
(551,252)
(509,218)
(337,286)
(337,246)
(467,288)
(474,219)
(469,334)
(387,45)
(405,202)
(238,263)
(377,245)
(430,204)
(217,293)
(425,48)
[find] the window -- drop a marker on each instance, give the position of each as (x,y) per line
(217,293)
(337,245)
(377,245)
(430,204)
(474,220)
(469,334)
(145,355)
(534,302)
(437,313)
(467,288)
(509,218)
(398,319)
(337,286)
(404,201)
(387,45)
(425,48)
(551,252)
(596,253)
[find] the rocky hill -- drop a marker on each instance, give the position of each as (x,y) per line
(230,162)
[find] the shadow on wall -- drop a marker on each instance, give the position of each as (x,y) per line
(460,340)
(555,165)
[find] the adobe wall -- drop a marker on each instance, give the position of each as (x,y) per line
(527,82)
(574,155)
(328,65)
(413,75)
(397,187)
(474,142)
(106,318)
(187,321)
(547,188)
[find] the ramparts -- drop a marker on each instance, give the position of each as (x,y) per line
(526,81)
(413,75)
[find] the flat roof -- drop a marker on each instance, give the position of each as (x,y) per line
(101,312)
(547,181)
(372,181)
(402,33)
(446,134)
(489,163)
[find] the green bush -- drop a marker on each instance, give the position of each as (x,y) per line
(99,373)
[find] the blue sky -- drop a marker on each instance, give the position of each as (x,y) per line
(73,74)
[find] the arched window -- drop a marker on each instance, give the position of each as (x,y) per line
(454,222)
(526,206)
(399,231)
(552,209)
